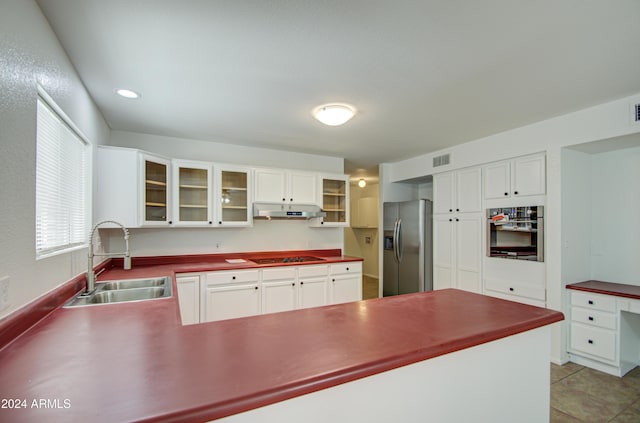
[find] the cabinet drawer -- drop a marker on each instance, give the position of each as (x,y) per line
(232,276)
(594,341)
(311,271)
(593,301)
(593,317)
(278,273)
(518,289)
(348,267)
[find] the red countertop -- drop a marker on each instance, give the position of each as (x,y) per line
(607,288)
(135,362)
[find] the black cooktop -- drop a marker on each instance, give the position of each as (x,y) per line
(296,259)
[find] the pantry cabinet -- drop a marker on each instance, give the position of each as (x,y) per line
(193,193)
(457,251)
(283,186)
(134,187)
(233,194)
(458,191)
(522,176)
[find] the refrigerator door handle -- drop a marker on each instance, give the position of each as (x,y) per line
(395,240)
(399,241)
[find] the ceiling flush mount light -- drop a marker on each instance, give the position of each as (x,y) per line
(362,183)
(334,114)
(127,93)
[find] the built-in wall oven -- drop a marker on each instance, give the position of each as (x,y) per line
(516,233)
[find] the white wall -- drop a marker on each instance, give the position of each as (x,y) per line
(29,55)
(615,225)
(604,121)
(264,235)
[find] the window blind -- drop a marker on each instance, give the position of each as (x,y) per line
(61,184)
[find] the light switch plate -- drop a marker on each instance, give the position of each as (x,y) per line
(4,293)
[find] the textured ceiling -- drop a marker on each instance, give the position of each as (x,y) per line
(424,75)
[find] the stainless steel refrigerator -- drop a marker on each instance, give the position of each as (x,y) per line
(408,262)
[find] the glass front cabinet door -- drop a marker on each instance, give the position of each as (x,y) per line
(335,200)
(192,193)
(232,196)
(155,178)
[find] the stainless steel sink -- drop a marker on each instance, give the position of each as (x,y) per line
(133,283)
(126,290)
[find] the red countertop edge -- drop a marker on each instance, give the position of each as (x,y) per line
(281,393)
(607,288)
(18,322)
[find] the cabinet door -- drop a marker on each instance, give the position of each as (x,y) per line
(228,302)
(270,185)
(468,255)
(189,299)
(469,190)
(232,197)
(192,194)
(528,175)
(443,192)
(497,180)
(301,188)
(155,190)
(346,288)
(278,296)
(335,201)
(312,291)
(443,252)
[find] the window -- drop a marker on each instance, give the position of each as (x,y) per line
(61,182)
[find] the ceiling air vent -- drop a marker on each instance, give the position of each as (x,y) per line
(441,160)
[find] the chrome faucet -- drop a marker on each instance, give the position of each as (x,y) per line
(91,276)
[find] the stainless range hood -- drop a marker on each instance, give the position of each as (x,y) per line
(286,211)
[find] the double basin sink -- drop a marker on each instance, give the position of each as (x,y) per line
(125,290)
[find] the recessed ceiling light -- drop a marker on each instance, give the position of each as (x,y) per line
(334,114)
(362,183)
(128,93)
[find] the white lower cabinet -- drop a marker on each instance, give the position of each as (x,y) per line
(189,298)
(231,293)
(346,282)
(603,332)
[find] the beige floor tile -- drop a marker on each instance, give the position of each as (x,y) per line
(582,405)
(560,372)
(630,415)
(558,416)
(613,390)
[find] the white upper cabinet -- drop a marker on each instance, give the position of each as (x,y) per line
(192,193)
(232,197)
(522,176)
(334,199)
(458,191)
(133,188)
(281,186)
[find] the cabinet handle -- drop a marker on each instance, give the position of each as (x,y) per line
(255,288)
(347,269)
(284,199)
(590,302)
(515,192)
(170,222)
(233,277)
(293,284)
(290,199)
(450,210)
(450,220)
(210,223)
(591,318)
(590,341)
(333,280)
(511,289)
(219,222)
(301,283)
(457,210)
(457,220)
(506,193)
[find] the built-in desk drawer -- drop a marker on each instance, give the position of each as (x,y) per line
(594,301)
(594,341)
(593,317)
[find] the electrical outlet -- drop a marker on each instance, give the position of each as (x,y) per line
(4,293)
(367,240)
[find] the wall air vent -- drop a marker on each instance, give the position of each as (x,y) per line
(442,160)
(636,114)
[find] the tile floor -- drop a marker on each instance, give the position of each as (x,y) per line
(580,394)
(369,287)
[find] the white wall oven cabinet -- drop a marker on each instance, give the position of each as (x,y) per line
(192,193)
(458,230)
(334,194)
(233,196)
(285,186)
(134,188)
(522,176)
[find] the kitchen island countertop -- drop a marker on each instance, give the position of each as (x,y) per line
(135,361)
